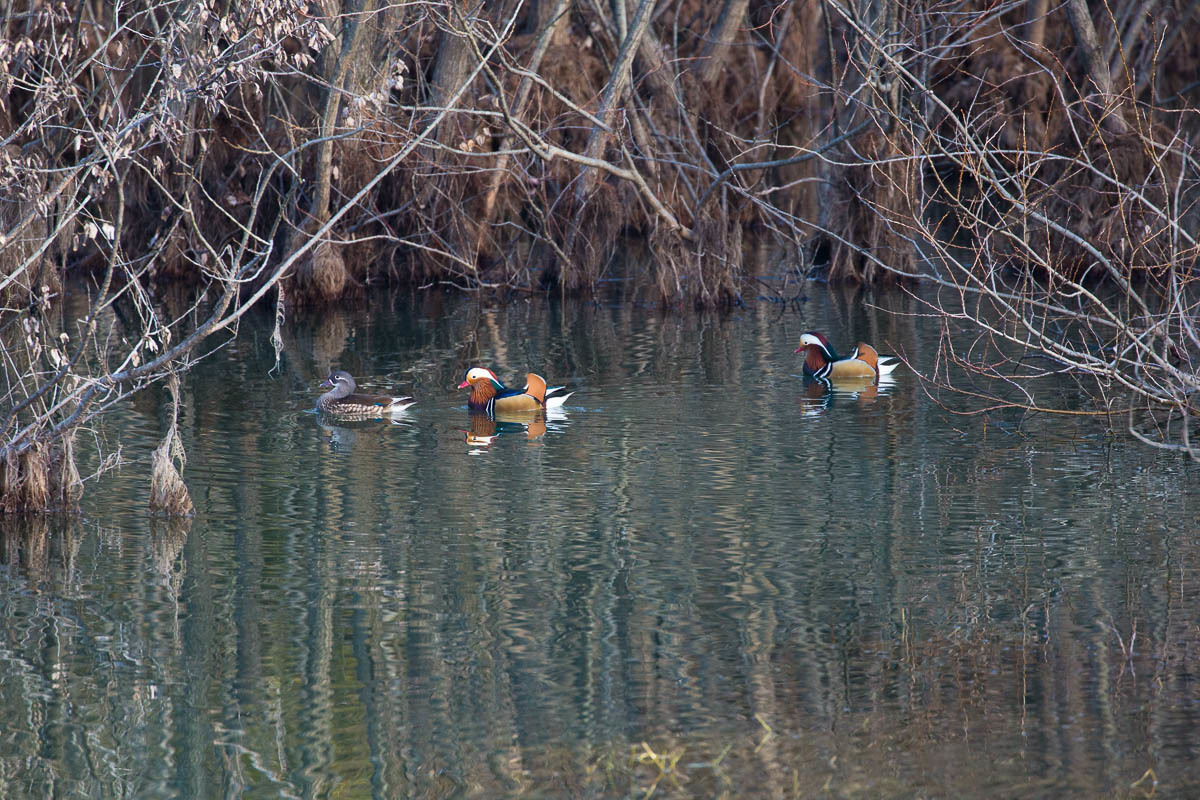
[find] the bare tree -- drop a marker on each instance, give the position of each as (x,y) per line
(102,116)
(1034,162)
(1056,218)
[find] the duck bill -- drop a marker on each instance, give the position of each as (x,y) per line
(800,349)
(326,384)
(464,384)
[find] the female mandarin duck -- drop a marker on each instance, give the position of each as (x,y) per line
(823,363)
(490,395)
(341,398)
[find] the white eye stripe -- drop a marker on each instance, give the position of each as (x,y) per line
(479,373)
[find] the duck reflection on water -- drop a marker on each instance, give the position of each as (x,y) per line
(534,423)
(819,395)
(342,432)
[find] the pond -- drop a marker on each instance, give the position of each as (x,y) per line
(700,578)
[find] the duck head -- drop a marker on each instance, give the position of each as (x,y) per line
(477,374)
(339,384)
(338,378)
(817,340)
(817,351)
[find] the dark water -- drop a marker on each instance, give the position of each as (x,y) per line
(698,580)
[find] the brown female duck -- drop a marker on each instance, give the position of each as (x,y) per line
(341,398)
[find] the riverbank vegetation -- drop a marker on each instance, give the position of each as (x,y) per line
(1035,160)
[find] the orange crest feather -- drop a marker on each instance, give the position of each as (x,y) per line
(536,387)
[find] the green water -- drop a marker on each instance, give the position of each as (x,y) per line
(699,562)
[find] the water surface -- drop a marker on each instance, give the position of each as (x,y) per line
(702,578)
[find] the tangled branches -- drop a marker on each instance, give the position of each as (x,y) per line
(1058,218)
(98,126)
(1034,162)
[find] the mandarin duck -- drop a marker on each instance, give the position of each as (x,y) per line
(490,395)
(342,400)
(822,362)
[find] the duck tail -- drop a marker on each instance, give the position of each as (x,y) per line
(888,364)
(556,396)
(535,387)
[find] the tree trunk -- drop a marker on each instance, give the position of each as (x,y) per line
(618,82)
(1092,55)
(1035,24)
(713,58)
(336,76)
(453,65)
(551,21)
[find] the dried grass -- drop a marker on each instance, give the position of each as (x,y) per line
(446,217)
(1091,185)
(1111,217)
(602,220)
(26,482)
(65,484)
(43,477)
(168,493)
(872,207)
(320,276)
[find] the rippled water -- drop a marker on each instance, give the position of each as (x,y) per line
(702,578)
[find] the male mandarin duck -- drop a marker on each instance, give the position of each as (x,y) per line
(490,395)
(341,398)
(823,363)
